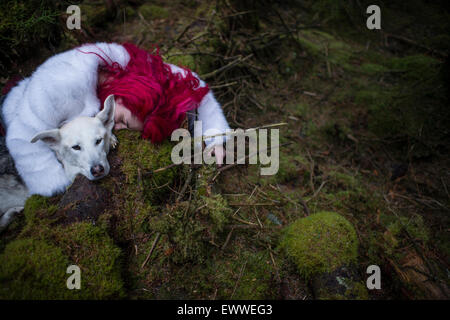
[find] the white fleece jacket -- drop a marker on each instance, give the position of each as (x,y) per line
(61,89)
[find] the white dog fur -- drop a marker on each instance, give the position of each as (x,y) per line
(61,89)
(81,146)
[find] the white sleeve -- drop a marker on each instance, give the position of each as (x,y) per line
(213,120)
(209,113)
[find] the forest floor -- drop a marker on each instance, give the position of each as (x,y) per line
(340,151)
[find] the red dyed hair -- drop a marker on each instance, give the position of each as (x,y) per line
(152,92)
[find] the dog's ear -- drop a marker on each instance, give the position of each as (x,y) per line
(106,116)
(51,137)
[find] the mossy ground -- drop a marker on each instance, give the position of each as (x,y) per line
(355,109)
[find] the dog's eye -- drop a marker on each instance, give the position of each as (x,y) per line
(98,141)
(76,147)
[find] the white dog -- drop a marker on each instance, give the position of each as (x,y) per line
(81,146)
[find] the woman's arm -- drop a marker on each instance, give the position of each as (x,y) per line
(210,113)
(213,120)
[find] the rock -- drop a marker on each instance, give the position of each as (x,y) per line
(342,283)
(320,243)
(324,248)
(84,200)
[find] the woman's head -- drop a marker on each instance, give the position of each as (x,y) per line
(149,96)
(124,119)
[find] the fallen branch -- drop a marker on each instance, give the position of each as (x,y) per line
(225,67)
(158,235)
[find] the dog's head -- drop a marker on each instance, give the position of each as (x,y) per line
(82,144)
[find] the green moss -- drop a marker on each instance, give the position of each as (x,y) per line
(129,12)
(244,274)
(416,67)
(37,209)
(325,47)
(414,226)
(320,243)
(151,11)
(247,277)
(94,14)
(289,170)
(216,208)
(33,204)
(81,244)
(372,68)
(342,180)
(33,269)
(182,60)
(358,291)
(90,248)
(190,227)
(403,106)
(141,157)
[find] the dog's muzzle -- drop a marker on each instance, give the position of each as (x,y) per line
(98,171)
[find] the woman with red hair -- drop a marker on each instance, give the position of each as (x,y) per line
(151,96)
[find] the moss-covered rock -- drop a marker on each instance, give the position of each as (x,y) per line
(34,265)
(320,243)
(33,269)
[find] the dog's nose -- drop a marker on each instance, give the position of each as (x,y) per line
(97,170)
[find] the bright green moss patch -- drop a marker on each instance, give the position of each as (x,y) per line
(320,243)
(37,211)
(36,262)
(94,252)
(183,60)
(33,269)
(33,204)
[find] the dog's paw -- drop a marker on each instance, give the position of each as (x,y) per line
(113,141)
